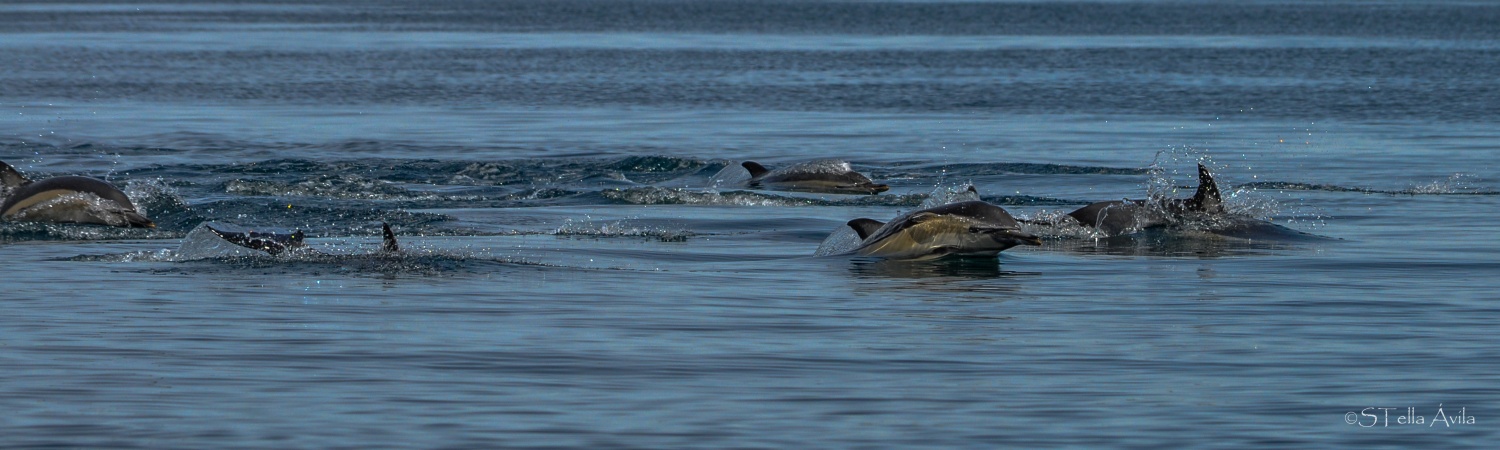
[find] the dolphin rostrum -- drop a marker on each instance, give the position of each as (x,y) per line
(1120,216)
(970,228)
(826,176)
(68,199)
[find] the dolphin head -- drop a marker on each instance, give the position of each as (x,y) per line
(993,223)
(1007,237)
(273,243)
(136,220)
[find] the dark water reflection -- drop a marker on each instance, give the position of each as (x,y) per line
(966,268)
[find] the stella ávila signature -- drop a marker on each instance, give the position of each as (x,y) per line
(1381,416)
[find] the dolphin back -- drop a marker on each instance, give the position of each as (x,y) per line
(1111,217)
(979,211)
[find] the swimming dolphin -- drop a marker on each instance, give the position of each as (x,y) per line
(827,176)
(971,228)
(68,199)
(1115,217)
(278,243)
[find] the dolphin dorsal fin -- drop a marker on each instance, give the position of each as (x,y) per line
(756,170)
(389,243)
(10,178)
(1207,198)
(865,227)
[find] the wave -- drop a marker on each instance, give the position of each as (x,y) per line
(329,186)
(983,169)
(621,228)
(413,263)
(204,251)
(1458,184)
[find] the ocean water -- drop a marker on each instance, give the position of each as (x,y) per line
(581,270)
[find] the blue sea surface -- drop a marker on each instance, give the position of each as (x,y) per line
(581,269)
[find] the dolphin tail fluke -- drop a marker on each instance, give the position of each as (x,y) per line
(756,170)
(865,227)
(1207,198)
(389,243)
(10,178)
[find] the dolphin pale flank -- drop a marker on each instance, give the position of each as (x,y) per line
(826,176)
(69,199)
(972,228)
(278,243)
(1116,217)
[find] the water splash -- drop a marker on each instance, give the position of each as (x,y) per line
(1458,183)
(620,228)
(353,187)
(841,240)
(945,194)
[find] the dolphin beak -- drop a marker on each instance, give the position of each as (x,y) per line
(1003,234)
(134,219)
(1024,237)
(878,188)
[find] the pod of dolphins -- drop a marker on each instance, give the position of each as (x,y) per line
(966,228)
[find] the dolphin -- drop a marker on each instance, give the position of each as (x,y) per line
(278,243)
(1115,217)
(970,228)
(825,176)
(68,199)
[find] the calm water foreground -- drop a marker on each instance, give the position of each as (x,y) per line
(574,277)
